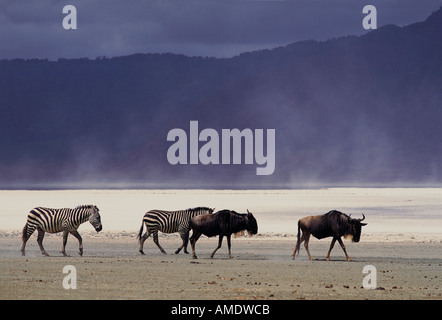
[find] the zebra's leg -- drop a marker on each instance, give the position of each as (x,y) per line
(179,249)
(185,237)
(24,240)
(80,241)
(40,237)
(220,241)
(141,241)
(65,240)
(155,239)
(25,237)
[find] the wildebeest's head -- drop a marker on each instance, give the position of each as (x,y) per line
(252,225)
(355,228)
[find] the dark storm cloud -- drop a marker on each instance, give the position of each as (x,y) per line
(222,28)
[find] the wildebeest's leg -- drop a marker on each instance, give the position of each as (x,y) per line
(193,239)
(343,248)
(80,241)
(65,240)
(185,237)
(40,237)
(298,244)
(307,238)
(155,239)
(331,247)
(220,241)
(228,245)
(142,239)
(186,241)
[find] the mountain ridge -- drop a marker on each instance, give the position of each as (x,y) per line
(355,110)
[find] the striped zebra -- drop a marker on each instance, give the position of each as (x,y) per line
(57,220)
(169,222)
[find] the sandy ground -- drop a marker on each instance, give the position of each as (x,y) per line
(407,267)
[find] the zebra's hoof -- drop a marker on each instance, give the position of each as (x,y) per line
(142,253)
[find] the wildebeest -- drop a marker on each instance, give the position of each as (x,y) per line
(222,223)
(332,224)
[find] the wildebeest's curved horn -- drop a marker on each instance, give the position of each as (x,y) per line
(363,218)
(248,211)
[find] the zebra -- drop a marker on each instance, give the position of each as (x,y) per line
(169,222)
(57,220)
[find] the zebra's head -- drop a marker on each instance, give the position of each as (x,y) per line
(95,218)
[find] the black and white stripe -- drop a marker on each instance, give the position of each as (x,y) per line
(169,222)
(58,220)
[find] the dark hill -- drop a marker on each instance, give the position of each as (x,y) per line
(349,111)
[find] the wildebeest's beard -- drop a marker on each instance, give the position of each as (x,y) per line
(351,232)
(243,232)
(349,236)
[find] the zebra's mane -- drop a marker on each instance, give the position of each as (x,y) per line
(85,206)
(199,208)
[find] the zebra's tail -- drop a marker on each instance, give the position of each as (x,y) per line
(141,230)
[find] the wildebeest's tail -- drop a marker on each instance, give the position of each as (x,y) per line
(141,230)
(298,243)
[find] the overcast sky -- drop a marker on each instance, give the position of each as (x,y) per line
(220,28)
